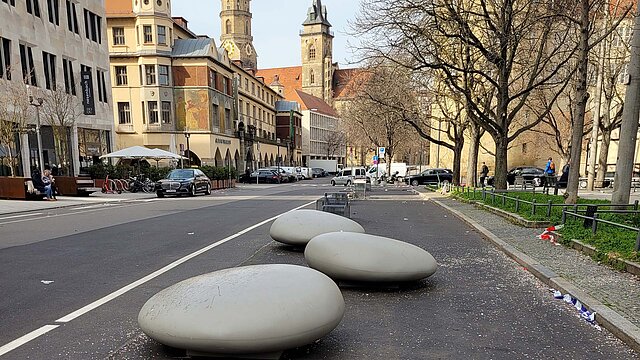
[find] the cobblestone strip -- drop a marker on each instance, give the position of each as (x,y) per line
(617,290)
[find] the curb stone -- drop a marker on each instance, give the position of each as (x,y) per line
(605,316)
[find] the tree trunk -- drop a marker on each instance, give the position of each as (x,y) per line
(457,159)
(500,172)
(603,157)
(472,160)
(629,128)
(581,104)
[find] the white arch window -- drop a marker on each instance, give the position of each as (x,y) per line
(312,52)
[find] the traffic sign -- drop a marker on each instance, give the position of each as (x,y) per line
(381,152)
(375,158)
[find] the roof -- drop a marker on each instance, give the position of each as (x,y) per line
(346,82)
(315,104)
(285,106)
(199,47)
(317,14)
(289,77)
(115,8)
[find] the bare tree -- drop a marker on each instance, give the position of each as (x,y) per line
(334,140)
(61,111)
(15,112)
(513,46)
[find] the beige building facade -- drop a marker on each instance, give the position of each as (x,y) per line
(61,47)
(180,92)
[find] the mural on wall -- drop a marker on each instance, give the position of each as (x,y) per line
(192,110)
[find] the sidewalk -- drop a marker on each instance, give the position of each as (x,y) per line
(20,206)
(610,288)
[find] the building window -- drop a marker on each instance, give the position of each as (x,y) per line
(69,79)
(10,2)
(72,17)
(54,15)
(166,112)
(227,119)
(28,69)
(212,78)
(228,27)
(102,86)
(124,113)
(5,58)
(253,88)
(118,36)
(312,52)
(153,112)
(246,84)
(246,28)
(121,76)
(215,115)
(312,77)
(49,66)
(93,26)
(163,75)
(224,84)
(33,7)
(150,72)
(162,35)
(148,35)
(144,114)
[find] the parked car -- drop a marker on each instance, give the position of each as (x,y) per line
(319,172)
(284,175)
(264,176)
(430,176)
(531,174)
(606,183)
(183,181)
(347,175)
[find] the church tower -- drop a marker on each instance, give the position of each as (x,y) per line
(236,32)
(317,53)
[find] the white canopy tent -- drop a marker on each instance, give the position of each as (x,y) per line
(141,152)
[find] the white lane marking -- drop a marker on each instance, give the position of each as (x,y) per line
(19,216)
(163,270)
(73,213)
(26,338)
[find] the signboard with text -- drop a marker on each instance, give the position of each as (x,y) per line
(381,152)
(87,93)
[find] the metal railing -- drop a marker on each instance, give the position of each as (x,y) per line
(548,206)
(595,220)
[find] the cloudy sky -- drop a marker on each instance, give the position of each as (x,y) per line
(276,26)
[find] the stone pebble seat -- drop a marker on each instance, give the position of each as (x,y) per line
(298,227)
(245,311)
(368,258)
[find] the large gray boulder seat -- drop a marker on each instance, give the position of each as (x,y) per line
(244,311)
(368,258)
(299,226)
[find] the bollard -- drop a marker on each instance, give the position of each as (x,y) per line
(549,209)
(504,200)
(594,226)
(635,205)
(564,216)
(533,207)
(637,248)
(517,204)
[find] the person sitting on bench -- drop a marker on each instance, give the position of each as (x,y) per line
(36,179)
(49,185)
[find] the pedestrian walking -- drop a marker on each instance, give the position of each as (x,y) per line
(550,169)
(484,172)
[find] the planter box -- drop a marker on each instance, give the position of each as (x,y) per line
(13,188)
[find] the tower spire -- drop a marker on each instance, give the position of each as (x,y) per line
(317,14)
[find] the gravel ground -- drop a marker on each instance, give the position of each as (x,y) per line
(618,290)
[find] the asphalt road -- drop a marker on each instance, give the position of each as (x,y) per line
(105,262)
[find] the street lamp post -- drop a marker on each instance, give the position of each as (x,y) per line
(37,102)
(188,153)
(278,158)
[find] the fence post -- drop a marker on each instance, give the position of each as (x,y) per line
(484,194)
(594,226)
(533,207)
(637,248)
(564,216)
(493,197)
(549,209)
(504,200)
(517,203)
(635,205)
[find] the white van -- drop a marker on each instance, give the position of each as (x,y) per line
(347,175)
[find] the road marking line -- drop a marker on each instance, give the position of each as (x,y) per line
(94,305)
(18,216)
(26,338)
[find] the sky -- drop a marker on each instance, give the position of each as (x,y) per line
(276,25)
